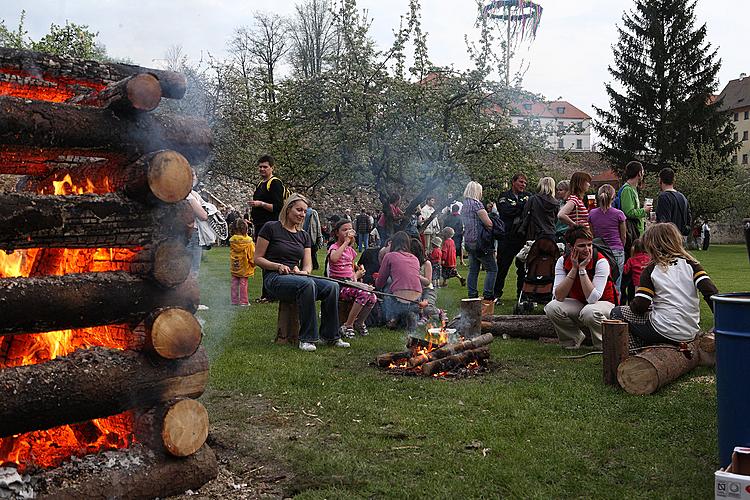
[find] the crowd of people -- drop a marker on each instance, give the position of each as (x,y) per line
(619,257)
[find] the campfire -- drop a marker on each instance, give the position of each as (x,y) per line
(440,353)
(99,348)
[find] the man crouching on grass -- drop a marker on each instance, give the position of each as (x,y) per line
(583,293)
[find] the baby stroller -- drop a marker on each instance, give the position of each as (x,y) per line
(540,275)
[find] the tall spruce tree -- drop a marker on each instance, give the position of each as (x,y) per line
(667,72)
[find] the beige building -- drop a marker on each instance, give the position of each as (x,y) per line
(567,128)
(736,96)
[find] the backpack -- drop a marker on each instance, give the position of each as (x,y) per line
(287,191)
(616,203)
(216,221)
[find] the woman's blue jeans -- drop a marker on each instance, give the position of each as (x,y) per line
(490,265)
(304,291)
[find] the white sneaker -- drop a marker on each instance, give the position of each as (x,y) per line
(202,307)
(340,343)
(308,346)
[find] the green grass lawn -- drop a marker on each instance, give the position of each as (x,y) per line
(534,426)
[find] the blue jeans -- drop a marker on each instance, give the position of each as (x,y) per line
(398,311)
(304,291)
(490,265)
(195,251)
(620,258)
(364,240)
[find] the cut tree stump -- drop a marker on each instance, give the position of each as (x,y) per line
(287,324)
(470,323)
(84,131)
(93,383)
(135,473)
(51,303)
(655,367)
(614,348)
(519,326)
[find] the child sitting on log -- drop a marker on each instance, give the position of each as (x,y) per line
(341,255)
(241,265)
(448,262)
(666,308)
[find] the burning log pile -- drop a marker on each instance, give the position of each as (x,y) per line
(437,357)
(99,348)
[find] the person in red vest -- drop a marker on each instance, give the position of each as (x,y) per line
(583,293)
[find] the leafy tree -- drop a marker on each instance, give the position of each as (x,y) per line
(74,40)
(15,39)
(667,71)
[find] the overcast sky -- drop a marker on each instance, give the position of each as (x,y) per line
(567,60)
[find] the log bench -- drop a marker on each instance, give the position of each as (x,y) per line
(287,321)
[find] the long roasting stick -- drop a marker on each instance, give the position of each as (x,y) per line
(361,286)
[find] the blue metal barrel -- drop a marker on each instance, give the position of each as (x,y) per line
(732,319)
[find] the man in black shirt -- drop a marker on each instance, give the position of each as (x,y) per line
(269,195)
(671,205)
(267,201)
(510,206)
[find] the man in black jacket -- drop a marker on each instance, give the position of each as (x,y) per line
(510,206)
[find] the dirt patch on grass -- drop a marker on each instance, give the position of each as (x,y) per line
(245,433)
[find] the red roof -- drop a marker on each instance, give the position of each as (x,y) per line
(550,109)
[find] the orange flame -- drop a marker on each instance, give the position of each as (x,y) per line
(50,447)
(22,84)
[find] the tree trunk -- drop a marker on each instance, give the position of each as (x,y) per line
(172,333)
(470,322)
(451,349)
(649,370)
(450,362)
(140,92)
(179,427)
(86,221)
(50,303)
(93,383)
(164,175)
(84,131)
(142,476)
(64,71)
(614,348)
(525,327)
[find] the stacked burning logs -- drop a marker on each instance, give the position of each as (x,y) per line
(137,166)
(430,362)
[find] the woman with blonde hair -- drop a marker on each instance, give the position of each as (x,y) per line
(666,307)
(283,252)
(608,223)
(574,212)
(474,215)
(540,212)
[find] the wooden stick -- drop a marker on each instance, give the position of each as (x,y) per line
(614,348)
(450,362)
(451,349)
(140,92)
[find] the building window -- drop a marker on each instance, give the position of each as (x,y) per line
(747,115)
(527,107)
(579,143)
(736,116)
(561,144)
(734,159)
(744,135)
(735,136)
(744,159)
(561,110)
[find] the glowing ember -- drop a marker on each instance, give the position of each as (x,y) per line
(22,84)
(51,447)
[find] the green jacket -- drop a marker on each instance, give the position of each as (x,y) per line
(631,205)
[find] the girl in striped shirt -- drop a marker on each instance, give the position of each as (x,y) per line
(574,212)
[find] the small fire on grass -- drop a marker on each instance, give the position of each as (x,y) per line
(440,354)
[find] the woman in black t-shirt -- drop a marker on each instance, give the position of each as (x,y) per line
(283,251)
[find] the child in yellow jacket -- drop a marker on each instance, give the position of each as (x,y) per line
(241,254)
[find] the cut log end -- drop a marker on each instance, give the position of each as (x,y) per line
(175,333)
(172,263)
(185,428)
(638,376)
(144,92)
(170,176)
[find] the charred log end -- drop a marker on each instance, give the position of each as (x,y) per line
(185,428)
(170,176)
(144,92)
(173,333)
(171,263)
